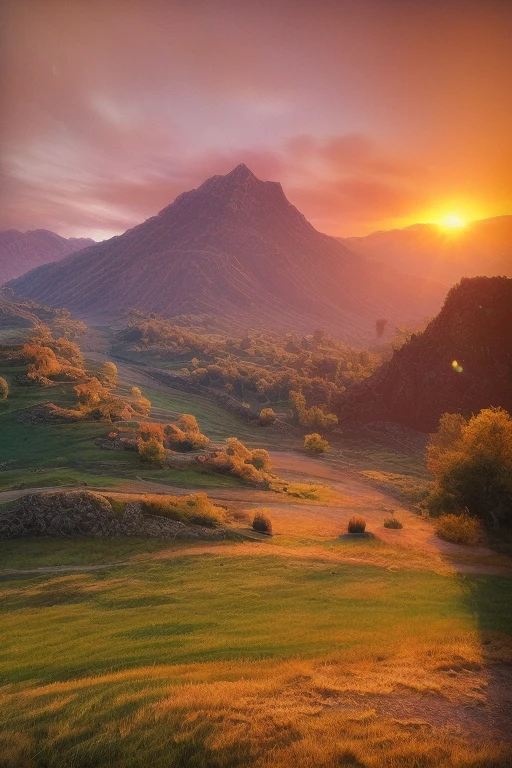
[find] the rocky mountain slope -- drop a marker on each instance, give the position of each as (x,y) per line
(23,251)
(480,248)
(234,247)
(461,363)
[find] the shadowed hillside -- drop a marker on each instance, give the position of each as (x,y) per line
(461,363)
(234,247)
(22,251)
(480,248)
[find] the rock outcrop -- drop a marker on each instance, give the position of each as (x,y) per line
(461,363)
(63,514)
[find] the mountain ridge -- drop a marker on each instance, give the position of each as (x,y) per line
(21,252)
(480,248)
(234,246)
(461,363)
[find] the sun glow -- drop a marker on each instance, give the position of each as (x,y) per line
(452,221)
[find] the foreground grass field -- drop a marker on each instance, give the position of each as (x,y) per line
(192,658)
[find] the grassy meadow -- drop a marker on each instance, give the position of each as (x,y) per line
(203,658)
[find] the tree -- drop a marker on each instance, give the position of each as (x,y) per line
(267,416)
(4,389)
(472,466)
(315,443)
(141,404)
(152,452)
(109,375)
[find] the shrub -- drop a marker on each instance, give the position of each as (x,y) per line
(261,459)
(392,522)
(196,509)
(459,529)
(4,389)
(151,432)
(356,524)
(267,416)
(262,522)
(315,443)
(151,451)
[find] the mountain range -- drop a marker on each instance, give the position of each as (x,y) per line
(481,247)
(237,248)
(23,251)
(461,363)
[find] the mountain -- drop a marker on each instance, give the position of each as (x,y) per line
(423,380)
(235,247)
(22,251)
(480,248)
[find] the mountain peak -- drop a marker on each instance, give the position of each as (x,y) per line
(241,173)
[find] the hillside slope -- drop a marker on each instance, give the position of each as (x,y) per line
(23,251)
(420,382)
(426,250)
(234,247)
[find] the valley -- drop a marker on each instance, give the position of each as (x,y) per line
(251,645)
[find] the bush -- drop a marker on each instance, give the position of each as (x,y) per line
(4,389)
(267,416)
(459,529)
(315,443)
(262,522)
(261,459)
(151,451)
(196,509)
(392,522)
(356,524)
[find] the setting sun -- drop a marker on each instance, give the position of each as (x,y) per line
(452,221)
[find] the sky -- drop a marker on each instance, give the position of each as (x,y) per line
(372,114)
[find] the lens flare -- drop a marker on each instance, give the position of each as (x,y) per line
(456,367)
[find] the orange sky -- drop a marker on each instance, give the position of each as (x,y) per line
(372,114)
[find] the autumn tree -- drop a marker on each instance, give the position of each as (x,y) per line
(472,466)
(267,417)
(152,452)
(43,361)
(141,405)
(109,374)
(315,443)
(4,389)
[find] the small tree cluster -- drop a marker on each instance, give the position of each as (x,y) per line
(95,401)
(184,435)
(252,466)
(311,417)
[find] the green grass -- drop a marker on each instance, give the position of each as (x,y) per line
(43,455)
(408,488)
(44,552)
(233,608)
(213,661)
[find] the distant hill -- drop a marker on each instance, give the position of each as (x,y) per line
(420,382)
(235,247)
(480,248)
(22,251)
